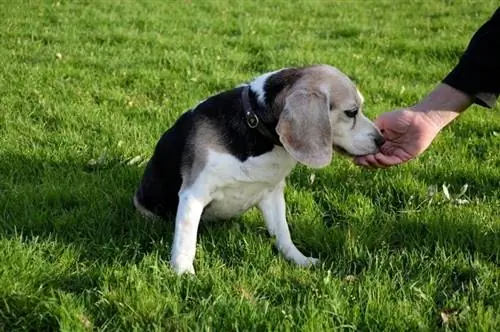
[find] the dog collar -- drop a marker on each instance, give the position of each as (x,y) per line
(253,120)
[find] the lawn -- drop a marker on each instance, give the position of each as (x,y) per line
(86,90)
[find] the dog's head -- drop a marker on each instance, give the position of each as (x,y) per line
(320,110)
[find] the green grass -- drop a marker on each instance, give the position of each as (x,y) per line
(85,88)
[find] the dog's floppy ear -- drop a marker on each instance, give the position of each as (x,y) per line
(304,128)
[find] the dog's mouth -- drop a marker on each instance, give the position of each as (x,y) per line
(346,153)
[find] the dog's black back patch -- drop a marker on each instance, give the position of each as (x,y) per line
(162,179)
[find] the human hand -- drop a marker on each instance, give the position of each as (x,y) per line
(407,134)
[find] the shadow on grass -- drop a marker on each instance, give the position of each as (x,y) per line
(71,202)
(19,311)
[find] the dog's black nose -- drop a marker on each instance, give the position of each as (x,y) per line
(379,140)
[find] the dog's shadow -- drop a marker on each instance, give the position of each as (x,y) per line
(78,203)
(88,206)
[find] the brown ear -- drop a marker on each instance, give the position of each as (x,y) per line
(304,128)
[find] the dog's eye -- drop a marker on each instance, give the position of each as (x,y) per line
(351,113)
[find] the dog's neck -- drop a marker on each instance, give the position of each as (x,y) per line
(258,117)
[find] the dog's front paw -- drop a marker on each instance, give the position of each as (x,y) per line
(292,253)
(307,261)
(182,267)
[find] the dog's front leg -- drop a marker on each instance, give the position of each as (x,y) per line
(273,208)
(188,216)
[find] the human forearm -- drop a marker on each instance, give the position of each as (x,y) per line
(443,104)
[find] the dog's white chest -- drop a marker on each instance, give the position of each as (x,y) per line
(236,186)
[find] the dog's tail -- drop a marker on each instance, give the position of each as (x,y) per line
(142,210)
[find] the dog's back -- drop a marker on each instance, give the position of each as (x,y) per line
(158,192)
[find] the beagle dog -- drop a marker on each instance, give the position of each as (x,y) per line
(234,150)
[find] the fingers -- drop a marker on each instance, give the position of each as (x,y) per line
(388,160)
(378,160)
(369,161)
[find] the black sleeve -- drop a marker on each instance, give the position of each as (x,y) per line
(478,71)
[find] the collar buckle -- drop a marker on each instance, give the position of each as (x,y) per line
(252,119)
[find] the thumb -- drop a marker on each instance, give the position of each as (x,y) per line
(387,119)
(380,121)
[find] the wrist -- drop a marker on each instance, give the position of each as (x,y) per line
(443,105)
